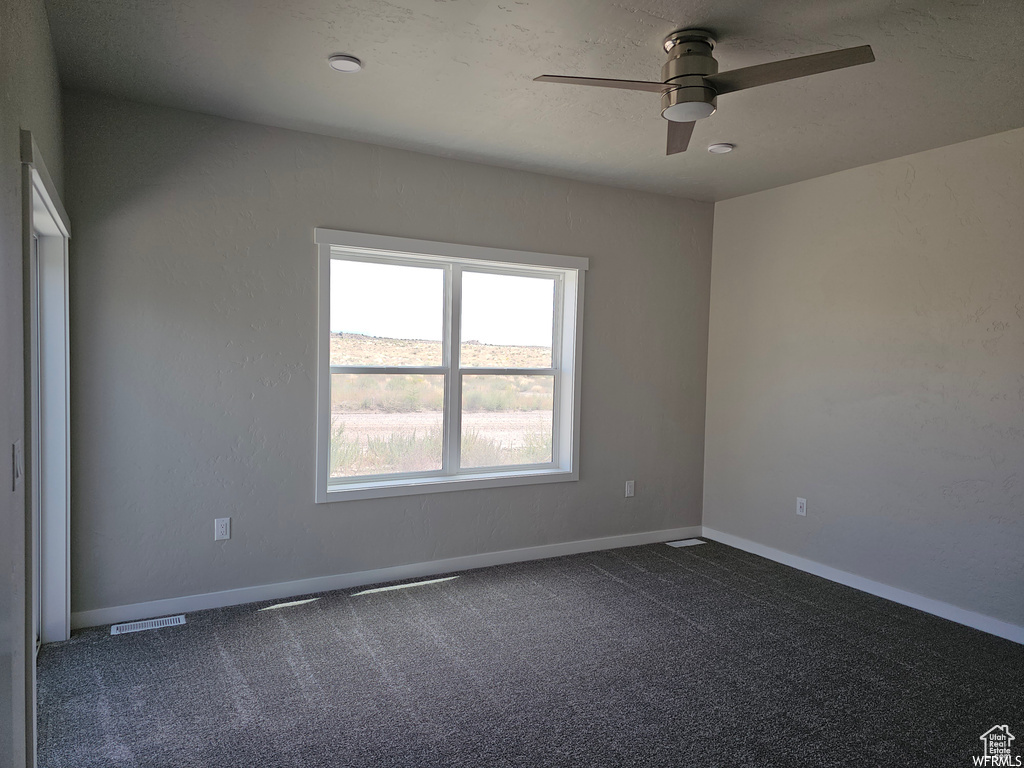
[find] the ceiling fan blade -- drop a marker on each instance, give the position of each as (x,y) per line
(630,85)
(777,71)
(678,137)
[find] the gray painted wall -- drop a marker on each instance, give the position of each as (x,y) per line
(30,99)
(867,353)
(193,309)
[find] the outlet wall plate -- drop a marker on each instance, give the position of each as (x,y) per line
(801,507)
(630,488)
(222,529)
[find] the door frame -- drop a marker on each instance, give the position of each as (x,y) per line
(46,231)
(49,455)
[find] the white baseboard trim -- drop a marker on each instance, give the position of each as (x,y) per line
(911,599)
(116,614)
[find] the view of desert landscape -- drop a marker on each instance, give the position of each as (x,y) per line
(357,349)
(388,423)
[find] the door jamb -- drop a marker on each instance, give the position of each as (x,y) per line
(47,415)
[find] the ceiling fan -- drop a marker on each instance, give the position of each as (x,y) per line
(692,83)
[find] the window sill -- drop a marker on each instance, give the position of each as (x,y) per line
(377,489)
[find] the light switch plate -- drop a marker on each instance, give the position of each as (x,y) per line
(17,464)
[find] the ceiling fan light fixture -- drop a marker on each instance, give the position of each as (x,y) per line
(690,102)
(342,62)
(721,148)
(688,111)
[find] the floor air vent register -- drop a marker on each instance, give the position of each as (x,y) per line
(138,626)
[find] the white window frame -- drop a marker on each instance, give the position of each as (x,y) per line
(569,271)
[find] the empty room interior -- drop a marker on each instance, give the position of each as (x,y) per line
(526,383)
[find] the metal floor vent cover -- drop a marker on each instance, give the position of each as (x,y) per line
(138,626)
(685,543)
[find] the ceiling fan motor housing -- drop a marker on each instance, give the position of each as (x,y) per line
(689,61)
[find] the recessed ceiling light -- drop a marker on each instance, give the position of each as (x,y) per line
(344,63)
(721,149)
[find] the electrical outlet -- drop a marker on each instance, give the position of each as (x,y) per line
(222,528)
(630,487)
(801,507)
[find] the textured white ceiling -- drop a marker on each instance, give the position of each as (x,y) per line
(454,78)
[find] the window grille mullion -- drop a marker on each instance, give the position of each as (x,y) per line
(426,370)
(453,413)
(509,371)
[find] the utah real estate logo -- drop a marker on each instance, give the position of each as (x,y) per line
(997,749)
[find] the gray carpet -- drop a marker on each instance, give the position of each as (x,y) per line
(647,656)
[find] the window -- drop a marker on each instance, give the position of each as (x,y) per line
(444,366)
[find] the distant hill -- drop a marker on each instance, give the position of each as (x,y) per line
(356,349)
